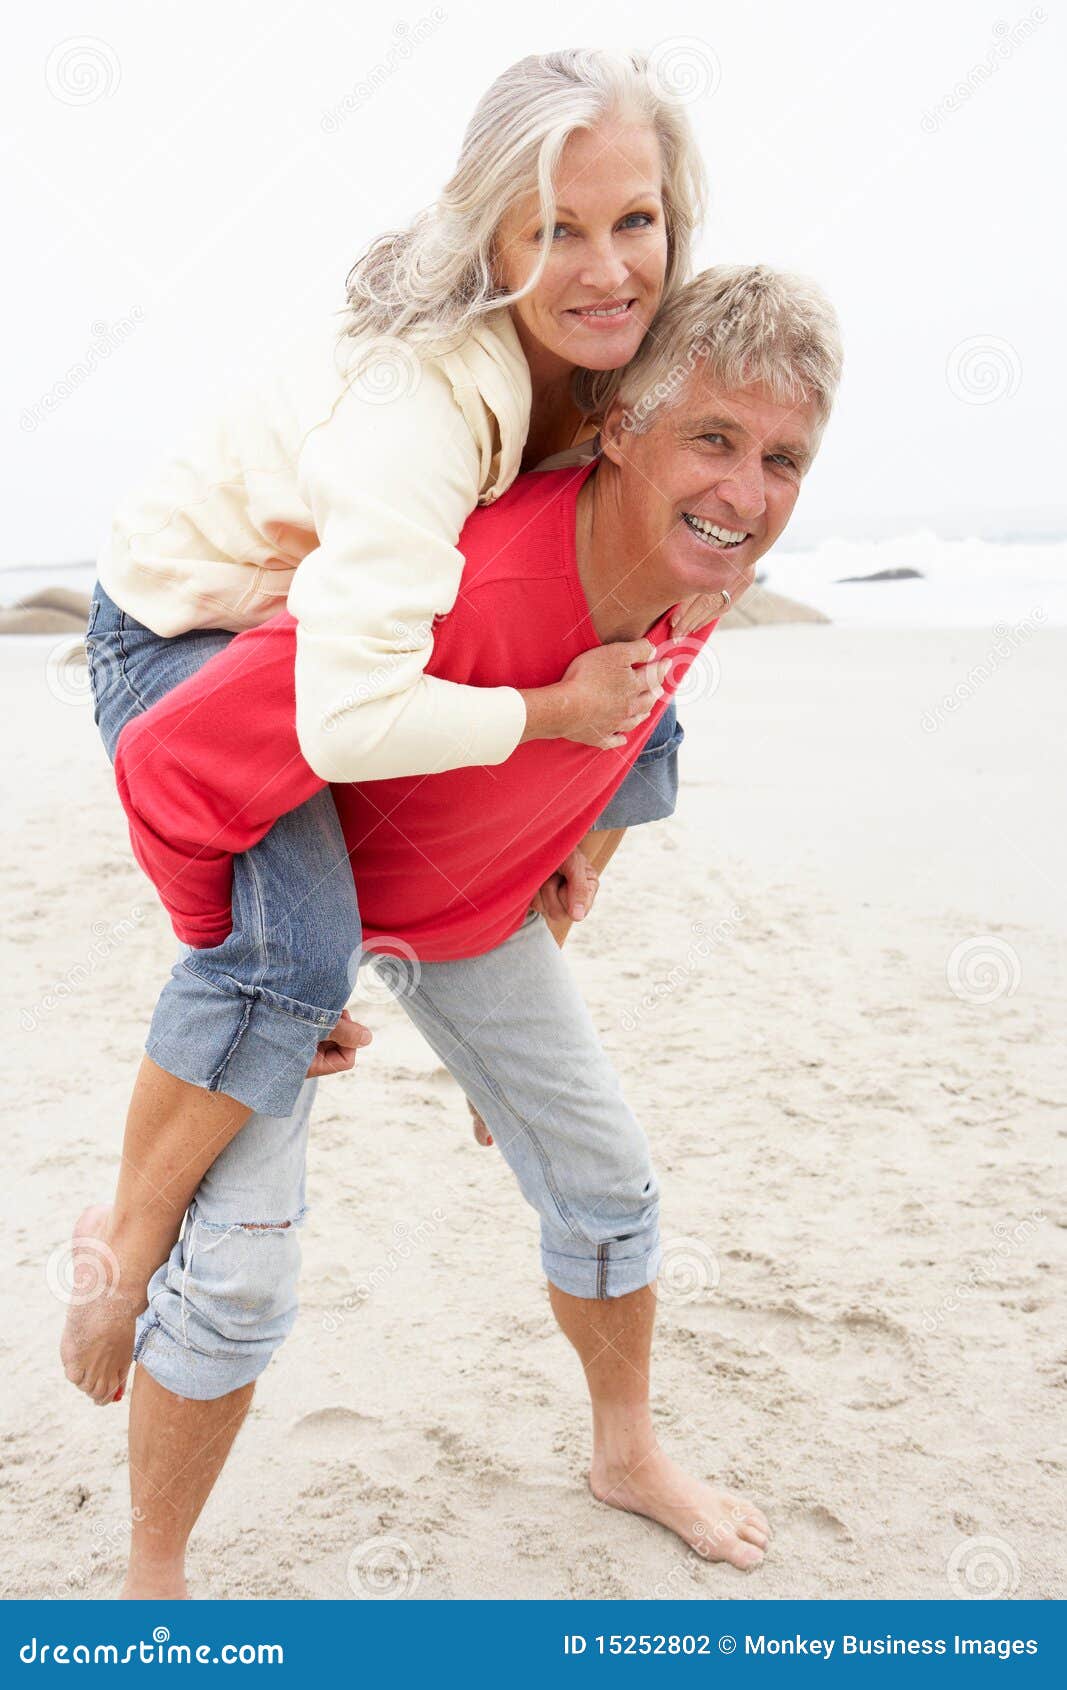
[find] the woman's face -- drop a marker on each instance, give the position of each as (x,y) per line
(602,284)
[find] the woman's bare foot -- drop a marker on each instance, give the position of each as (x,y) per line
(104,1297)
(718,1524)
(481,1131)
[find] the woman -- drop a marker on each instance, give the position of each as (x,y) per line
(498,346)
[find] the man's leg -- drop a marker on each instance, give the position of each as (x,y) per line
(514,1031)
(217,1310)
(177,1450)
(629,1470)
(648,794)
(599,846)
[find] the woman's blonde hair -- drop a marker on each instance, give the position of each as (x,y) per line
(430,283)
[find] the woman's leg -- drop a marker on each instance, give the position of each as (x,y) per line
(236,1027)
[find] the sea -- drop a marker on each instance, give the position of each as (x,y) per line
(914,580)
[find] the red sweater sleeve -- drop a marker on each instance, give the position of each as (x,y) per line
(206,772)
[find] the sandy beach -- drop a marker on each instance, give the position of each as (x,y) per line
(834,984)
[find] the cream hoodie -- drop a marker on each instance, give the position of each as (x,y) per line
(342,500)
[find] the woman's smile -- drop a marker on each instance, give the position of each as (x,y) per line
(608,314)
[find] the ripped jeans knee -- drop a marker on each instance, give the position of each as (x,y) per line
(221,1304)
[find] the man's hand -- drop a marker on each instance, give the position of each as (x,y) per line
(568,894)
(338,1053)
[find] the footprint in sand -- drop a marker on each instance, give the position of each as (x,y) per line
(826,1524)
(857,1358)
(345,1435)
(334,1431)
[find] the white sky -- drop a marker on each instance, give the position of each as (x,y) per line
(199,197)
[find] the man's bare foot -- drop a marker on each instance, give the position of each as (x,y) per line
(104,1299)
(718,1524)
(154,1583)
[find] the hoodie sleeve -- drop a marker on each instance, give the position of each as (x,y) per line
(390,484)
(206,771)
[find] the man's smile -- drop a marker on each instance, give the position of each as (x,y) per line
(713,534)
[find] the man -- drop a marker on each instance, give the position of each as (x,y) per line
(702,455)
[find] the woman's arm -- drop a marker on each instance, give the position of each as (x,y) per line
(206,771)
(390,487)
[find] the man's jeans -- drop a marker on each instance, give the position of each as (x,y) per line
(515,1032)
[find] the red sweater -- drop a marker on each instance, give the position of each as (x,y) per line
(445,865)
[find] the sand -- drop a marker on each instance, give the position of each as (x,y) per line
(834,986)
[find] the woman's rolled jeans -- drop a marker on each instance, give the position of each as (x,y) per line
(245,1017)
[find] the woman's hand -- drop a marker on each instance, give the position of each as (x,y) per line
(604,693)
(337,1054)
(695,612)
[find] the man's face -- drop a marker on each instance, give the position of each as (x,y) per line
(710,486)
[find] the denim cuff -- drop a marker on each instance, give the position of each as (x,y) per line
(190,1373)
(609,1270)
(236,1043)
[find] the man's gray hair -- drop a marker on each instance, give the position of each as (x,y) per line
(742,323)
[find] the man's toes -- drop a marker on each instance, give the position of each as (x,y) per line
(751,1533)
(744,1555)
(753,1516)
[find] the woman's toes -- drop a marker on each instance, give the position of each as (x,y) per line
(752,1534)
(745,1555)
(97,1387)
